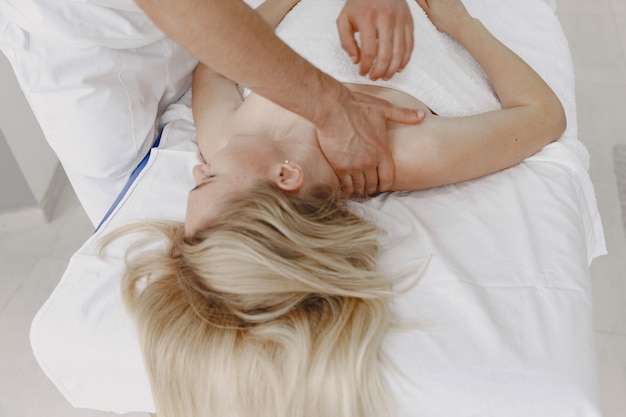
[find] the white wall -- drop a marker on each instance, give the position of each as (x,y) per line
(14,191)
(38,164)
(23,135)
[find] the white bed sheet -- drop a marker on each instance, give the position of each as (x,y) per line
(503,304)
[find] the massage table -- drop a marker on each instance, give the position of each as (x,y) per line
(497,285)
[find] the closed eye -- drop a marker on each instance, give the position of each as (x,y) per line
(207,177)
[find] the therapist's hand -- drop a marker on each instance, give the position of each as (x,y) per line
(354,140)
(385,28)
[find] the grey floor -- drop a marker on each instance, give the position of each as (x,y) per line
(596,30)
(32,260)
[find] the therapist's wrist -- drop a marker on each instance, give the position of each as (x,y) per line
(330,102)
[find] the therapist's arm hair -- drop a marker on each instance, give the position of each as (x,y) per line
(235,41)
(452,149)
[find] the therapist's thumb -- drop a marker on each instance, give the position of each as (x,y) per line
(404,115)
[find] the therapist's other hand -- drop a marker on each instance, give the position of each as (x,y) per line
(355,142)
(385,28)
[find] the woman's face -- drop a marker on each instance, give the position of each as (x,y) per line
(234,168)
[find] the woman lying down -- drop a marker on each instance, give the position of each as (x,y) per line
(268,301)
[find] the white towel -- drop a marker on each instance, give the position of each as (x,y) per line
(441,73)
(181,110)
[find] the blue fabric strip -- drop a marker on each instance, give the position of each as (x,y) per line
(132,179)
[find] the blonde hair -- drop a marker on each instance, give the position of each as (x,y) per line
(277,309)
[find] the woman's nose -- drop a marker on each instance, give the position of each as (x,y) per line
(200,173)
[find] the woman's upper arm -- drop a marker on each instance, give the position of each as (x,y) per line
(446,150)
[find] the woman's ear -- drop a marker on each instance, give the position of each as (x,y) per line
(290,176)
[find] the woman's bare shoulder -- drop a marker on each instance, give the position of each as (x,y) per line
(392,95)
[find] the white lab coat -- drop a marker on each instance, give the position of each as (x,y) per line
(97,74)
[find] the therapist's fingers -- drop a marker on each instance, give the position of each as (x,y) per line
(395,45)
(347,38)
(386,173)
(371,181)
(358,184)
(382,47)
(403,48)
(369,48)
(398,55)
(385,49)
(346,185)
(409,44)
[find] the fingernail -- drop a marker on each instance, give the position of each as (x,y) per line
(421,113)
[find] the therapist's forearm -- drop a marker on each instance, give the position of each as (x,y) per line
(233,40)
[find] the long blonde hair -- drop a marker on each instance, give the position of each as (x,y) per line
(277,309)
